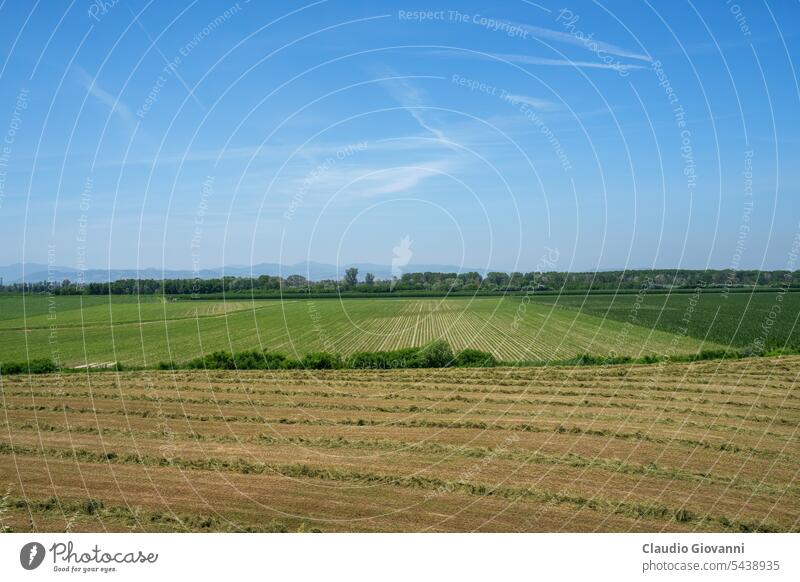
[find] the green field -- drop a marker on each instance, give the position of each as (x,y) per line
(76,330)
(735,320)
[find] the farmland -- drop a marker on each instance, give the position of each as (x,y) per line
(704,446)
(735,319)
(136,331)
(701,446)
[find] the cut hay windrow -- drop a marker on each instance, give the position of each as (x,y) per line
(542,407)
(366,478)
(437,449)
(779,443)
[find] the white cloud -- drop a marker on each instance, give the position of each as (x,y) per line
(113,103)
(411,98)
(534,102)
(365,181)
(577,40)
(395,180)
(531,60)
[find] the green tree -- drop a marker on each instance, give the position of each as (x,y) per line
(369,278)
(296,281)
(351,276)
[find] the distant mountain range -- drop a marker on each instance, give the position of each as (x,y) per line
(36,272)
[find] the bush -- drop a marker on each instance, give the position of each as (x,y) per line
(617,360)
(751,351)
(249,360)
(213,361)
(274,361)
(321,361)
(368,360)
(36,366)
(404,358)
(245,360)
(42,366)
(9,368)
(436,354)
(292,364)
(586,360)
(716,355)
(470,358)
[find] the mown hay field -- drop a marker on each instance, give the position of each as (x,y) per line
(134,331)
(706,446)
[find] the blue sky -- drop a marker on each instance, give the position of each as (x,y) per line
(143,134)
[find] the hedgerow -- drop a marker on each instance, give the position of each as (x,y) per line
(437,354)
(36,366)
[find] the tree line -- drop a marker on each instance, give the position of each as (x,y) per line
(432,282)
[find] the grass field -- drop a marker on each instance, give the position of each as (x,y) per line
(144,331)
(707,446)
(735,319)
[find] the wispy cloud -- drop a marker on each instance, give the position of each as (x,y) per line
(412,98)
(401,179)
(534,102)
(116,106)
(368,180)
(582,41)
(532,60)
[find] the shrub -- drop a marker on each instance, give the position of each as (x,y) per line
(585,360)
(368,360)
(36,366)
(275,361)
(321,361)
(42,366)
(12,368)
(751,351)
(249,360)
(404,358)
(214,361)
(245,360)
(436,354)
(471,358)
(292,364)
